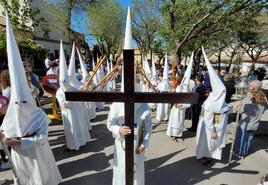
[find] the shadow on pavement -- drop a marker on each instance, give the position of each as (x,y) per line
(101,178)
(95,162)
(187,171)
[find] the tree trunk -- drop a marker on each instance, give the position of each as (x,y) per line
(179,54)
(151,55)
(219,60)
(185,61)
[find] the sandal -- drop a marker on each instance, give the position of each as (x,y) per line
(205,162)
(212,163)
(174,139)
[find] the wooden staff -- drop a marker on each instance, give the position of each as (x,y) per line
(150,84)
(101,60)
(104,80)
(234,136)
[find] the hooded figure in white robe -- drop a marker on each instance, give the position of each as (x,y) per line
(96,79)
(177,114)
(75,127)
(90,106)
(211,130)
(33,159)
(142,130)
(163,109)
(73,82)
(142,133)
(143,83)
(113,77)
(154,81)
(109,84)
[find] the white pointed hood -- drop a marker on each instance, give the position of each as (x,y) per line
(147,69)
(109,84)
(184,86)
(95,78)
(83,67)
(113,78)
(128,32)
(112,66)
(154,75)
(216,100)
(63,67)
(165,72)
(100,72)
(71,70)
(108,66)
(164,84)
(22,114)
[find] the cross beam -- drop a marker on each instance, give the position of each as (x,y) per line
(129,97)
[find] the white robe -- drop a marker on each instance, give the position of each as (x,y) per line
(162,111)
(88,114)
(205,145)
(91,108)
(176,120)
(75,128)
(100,105)
(34,160)
(114,122)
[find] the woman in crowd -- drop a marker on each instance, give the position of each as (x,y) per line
(252,108)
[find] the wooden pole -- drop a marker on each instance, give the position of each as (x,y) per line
(234,137)
(128,56)
(101,60)
(146,78)
(106,77)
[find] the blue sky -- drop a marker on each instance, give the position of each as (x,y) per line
(79,25)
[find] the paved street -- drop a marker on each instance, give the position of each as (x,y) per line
(167,163)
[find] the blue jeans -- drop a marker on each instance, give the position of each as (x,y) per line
(243,141)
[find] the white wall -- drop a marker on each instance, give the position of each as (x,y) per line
(53,42)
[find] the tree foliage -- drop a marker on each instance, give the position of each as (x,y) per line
(186,20)
(254,37)
(24,16)
(25,21)
(146,23)
(62,11)
(106,23)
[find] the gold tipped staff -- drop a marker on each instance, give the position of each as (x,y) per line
(107,77)
(141,71)
(101,60)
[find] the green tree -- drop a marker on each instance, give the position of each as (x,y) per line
(254,39)
(62,11)
(26,22)
(106,23)
(186,20)
(26,18)
(146,24)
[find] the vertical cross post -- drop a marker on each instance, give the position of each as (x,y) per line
(128,56)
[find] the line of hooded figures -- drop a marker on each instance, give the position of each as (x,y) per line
(25,126)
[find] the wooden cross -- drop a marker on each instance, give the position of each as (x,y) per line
(129,98)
